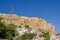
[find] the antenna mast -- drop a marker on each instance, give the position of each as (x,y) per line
(11,9)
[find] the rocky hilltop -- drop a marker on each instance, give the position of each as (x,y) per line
(33,22)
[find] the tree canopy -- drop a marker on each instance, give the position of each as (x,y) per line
(7,31)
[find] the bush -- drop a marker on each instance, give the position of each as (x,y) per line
(20,26)
(26,26)
(46,36)
(26,36)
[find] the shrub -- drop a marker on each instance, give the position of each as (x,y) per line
(46,36)
(26,26)
(26,36)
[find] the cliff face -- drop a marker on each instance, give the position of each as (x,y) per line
(33,22)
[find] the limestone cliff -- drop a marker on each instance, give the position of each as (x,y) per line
(33,22)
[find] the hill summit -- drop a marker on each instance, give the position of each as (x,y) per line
(33,22)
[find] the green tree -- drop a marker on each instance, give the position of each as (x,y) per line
(10,31)
(2,29)
(6,31)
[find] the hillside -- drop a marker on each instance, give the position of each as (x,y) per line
(34,23)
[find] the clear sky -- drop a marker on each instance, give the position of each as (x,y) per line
(48,9)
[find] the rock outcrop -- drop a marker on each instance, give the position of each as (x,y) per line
(33,22)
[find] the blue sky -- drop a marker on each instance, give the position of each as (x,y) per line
(48,9)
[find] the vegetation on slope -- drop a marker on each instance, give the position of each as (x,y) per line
(26,36)
(7,32)
(46,36)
